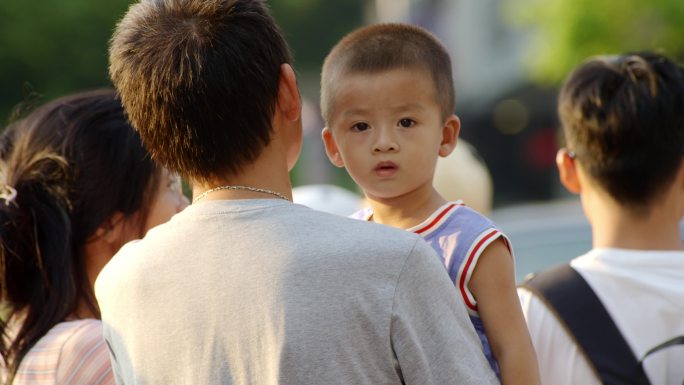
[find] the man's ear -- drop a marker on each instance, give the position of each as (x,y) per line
(289,100)
(568,171)
(331,148)
(450,132)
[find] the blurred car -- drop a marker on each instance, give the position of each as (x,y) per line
(544,234)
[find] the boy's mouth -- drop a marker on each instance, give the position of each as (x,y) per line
(386,169)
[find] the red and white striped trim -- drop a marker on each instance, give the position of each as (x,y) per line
(467,268)
(436,219)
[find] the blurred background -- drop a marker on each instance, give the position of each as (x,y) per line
(509,57)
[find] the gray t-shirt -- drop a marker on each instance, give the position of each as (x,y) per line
(269,292)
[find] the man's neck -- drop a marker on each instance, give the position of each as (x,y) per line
(267,172)
(616,226)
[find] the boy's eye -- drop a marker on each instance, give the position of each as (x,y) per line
(406,123)
(360,126)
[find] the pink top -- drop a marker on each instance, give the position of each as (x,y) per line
(72,352)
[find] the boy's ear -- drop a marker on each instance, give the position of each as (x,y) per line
(331,148)
(450,132)
(568,171)
(289,100)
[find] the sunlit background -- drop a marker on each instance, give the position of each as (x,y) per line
(509,57)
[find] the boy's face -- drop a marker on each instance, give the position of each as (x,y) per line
(387,130)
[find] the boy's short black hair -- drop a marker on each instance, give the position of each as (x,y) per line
(384,47)
(199,80)
(623,116)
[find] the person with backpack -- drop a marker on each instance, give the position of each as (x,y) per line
(614,314)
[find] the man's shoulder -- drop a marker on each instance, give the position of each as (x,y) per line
(356,228)
(120,266)
(365,242)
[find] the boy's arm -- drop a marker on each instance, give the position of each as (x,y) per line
(493,286)
(431,334)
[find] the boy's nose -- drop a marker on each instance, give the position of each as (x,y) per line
(385,142)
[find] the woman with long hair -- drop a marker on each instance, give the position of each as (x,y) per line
(76,184)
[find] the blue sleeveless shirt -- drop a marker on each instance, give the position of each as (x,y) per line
(459,235)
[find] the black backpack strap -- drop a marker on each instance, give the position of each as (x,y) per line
(585,319)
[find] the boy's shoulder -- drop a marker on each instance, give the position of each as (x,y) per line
(453,216)
(457,219)
(469,217)
(450,216)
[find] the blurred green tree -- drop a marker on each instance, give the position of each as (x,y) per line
(312,27)
(52,47)
(565,32)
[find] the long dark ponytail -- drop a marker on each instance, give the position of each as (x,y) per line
(65,169)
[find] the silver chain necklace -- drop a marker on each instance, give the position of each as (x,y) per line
(236,187)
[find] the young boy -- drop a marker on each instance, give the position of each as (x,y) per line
(387,99)
(244,287)
(623,119)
